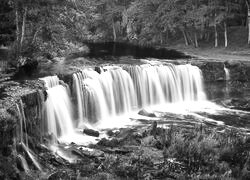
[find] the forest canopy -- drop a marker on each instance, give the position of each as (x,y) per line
(57,25)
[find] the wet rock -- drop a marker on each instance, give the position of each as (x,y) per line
(122,151)
(238,103)
(239,71)
(213,71)
(91,153)
(63,83)
(56,161)
(91,132)
(143,112)
(66,77)
(98,69)
(128,136)
(110,133)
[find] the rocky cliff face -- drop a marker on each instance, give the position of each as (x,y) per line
(14,93)
(213,71)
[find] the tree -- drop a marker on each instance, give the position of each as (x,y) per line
(248,19)
(7,26)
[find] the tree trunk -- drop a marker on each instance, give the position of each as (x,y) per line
(23,27)
(17,48)
(248,20)
(215,36)
(185,37)
(114,31)
(190,39)
(17,24)
(196,40)
(207,38)
(225,34)
(35,35)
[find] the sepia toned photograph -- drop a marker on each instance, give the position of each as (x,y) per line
(124,89)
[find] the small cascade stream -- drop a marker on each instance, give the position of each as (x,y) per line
(57,108)
(227,78)
(23,139)
(227,73)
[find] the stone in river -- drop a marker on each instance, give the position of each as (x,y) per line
(91,132)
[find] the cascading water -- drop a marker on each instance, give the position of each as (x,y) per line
(24,139)
(58,108)
(113,96)
(167,83)
(50,81)
(227,73)
(22,118)
(227,76)
(121,90)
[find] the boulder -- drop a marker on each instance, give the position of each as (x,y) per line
(91,132)
(98,69)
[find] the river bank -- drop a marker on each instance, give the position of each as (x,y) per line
(240,54)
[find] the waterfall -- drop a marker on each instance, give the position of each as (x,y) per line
(227,76)
(50,81)
(58,111)
(22,118)
(227,73)
(120,90)
(103,95)
(24,139)
(58,108)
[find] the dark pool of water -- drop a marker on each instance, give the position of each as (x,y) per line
(111,49)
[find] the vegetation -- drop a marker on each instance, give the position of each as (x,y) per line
(177,153)
(52,27)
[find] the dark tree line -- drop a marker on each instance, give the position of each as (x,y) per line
(58,25)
